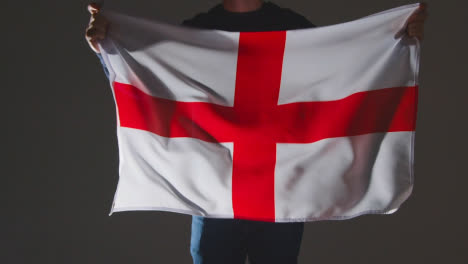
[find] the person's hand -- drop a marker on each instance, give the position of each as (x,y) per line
(97,27)
(415,23)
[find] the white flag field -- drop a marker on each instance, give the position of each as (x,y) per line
(279,126)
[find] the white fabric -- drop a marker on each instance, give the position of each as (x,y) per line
(182,57)
(157,173)
(334,178)
(330,63)
(358,175)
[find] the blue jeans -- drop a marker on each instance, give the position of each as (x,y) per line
(229,241)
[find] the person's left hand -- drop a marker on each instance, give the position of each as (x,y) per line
(415,23)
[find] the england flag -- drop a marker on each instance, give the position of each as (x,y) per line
(279,126)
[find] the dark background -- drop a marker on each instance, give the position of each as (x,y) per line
(61,168)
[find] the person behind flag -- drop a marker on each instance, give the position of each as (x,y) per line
(233,240)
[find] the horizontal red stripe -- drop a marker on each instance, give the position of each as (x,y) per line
(384,110)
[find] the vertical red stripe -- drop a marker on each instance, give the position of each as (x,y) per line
(259,66)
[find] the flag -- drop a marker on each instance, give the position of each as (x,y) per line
(279,126)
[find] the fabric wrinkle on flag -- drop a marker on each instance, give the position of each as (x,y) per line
(280,126)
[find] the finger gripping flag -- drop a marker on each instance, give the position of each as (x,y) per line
(281,126)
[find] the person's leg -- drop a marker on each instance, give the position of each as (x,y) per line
(274,242)
(218,241)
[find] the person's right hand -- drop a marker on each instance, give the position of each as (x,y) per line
(97,27)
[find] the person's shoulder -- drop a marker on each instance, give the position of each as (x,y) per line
(293,16)
(300,19)
(195,20)
(201,19)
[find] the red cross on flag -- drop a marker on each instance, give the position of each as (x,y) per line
(279,126)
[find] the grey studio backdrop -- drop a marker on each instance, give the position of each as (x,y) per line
(61,165)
